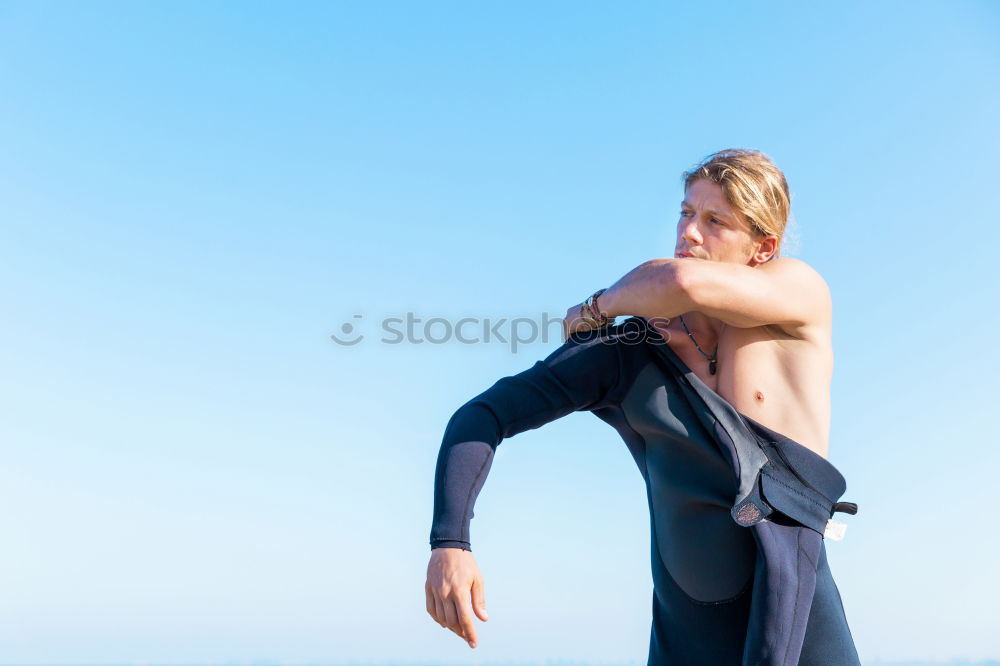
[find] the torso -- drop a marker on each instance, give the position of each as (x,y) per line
(779,380)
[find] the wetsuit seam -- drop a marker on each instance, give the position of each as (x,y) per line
(806,553)
(645,462)
(565,394)
(468,499)
(795,600)
(791,468)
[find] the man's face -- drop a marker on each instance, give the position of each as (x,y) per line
(709,228)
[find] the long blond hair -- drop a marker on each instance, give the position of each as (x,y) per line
(752,184)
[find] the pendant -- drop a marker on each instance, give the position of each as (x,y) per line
(711,367)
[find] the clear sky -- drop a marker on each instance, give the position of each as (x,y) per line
(194,196)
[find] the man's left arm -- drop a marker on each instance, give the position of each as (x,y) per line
(785,291)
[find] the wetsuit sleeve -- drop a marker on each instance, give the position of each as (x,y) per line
(579,375)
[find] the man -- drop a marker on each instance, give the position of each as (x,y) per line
(769,317)
(736,379)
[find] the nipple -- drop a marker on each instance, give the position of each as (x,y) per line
(758,396)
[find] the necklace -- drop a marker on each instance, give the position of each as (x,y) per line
(713,359)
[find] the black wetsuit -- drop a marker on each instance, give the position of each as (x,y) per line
(723,594)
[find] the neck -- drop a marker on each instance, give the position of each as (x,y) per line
(703,324)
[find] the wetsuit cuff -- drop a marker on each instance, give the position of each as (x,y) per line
(464,545)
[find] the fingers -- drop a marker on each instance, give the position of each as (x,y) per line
(439,613)
(479,598)
(451,615)
(431,603)
(447,594)
(453,612)
(463,607)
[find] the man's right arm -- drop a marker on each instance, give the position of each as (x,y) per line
(579,375)
(584,373)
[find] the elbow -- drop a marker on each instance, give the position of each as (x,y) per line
(474,421)
(679,283)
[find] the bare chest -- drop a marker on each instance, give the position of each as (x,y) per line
(780,381)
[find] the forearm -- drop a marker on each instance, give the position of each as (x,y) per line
(579,375)
(655,288)
(463,464)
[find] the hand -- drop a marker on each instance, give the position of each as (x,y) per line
(574,323)
(454,585)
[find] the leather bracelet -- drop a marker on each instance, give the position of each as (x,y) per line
(601,317)
(591,313)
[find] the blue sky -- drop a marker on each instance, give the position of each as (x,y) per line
(196,195)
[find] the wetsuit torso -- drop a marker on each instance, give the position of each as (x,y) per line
(722,594)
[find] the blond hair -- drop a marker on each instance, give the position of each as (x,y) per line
(752,184)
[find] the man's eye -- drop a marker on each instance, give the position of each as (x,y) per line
(716,221)
(683,213)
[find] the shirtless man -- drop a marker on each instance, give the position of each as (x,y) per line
(753,327)
(770,316)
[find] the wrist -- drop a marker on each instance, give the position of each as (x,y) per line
(592,310)
(604,304)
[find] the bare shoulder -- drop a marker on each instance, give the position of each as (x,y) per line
(798,273)
(804,284)
(792,266)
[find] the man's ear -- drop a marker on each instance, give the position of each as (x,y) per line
(764,249)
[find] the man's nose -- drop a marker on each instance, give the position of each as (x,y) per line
(689,232)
